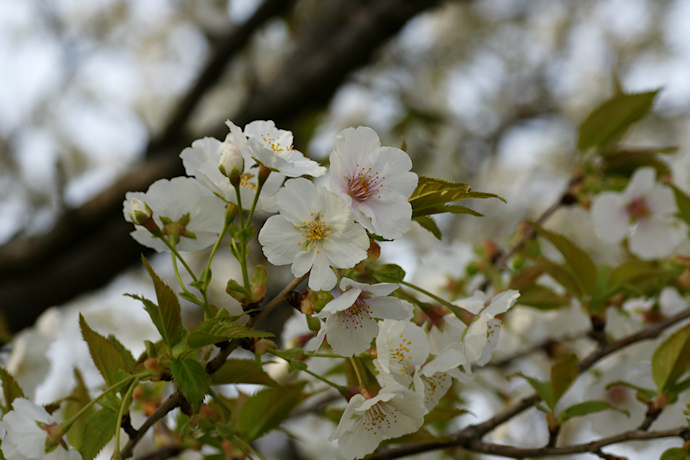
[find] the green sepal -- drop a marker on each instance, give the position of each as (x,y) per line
(191,379)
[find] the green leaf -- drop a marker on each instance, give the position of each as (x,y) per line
(237,291)
(542,298)
(431,194)
(608,122)
(441,208)
(577,260)
(588,407)
(634,271)
(675,453)
(241,371)
(10,388)
(683,203)
(625,162)
(168,318)
(73,404)
(266,409)
(192,380)
(107,357)
(99,429)
(670,361)
(563,373)
(429,224)
(562,276)
(220,328)
(389,273)
(543,389)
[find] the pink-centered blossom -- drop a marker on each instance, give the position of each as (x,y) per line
(351,317)
(644,213)
(375,181)
(315,231)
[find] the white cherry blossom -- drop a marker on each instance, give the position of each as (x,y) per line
(24,439)
(273,148)
(314,231)
(393,412)
(644,213)
(201,161)
(375,181)
(350,317)
(405,355)
(174,199)
(480,338)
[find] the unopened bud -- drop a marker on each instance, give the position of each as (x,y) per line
(231,161)
(142,214)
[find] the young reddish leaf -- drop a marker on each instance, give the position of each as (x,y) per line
(670,360)
(107,357)
(608,122)
(10,388)
(192,380)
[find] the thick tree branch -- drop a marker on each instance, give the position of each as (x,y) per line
(90,245)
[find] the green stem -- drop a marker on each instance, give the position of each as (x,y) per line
(256,200)
(246,447)
(68,424)
(239,205)
(358,373)
(120,414)
(175,253)
(433,296)
(226,223)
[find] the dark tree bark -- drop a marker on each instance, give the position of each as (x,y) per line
(90,245)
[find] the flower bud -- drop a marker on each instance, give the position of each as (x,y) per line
(231,161)
(142,214)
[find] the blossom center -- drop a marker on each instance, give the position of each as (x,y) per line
(245,182)
(274,145)
(364,183)
(402,354)
(315,231)
(638,209)
(379,417)
(354,315)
